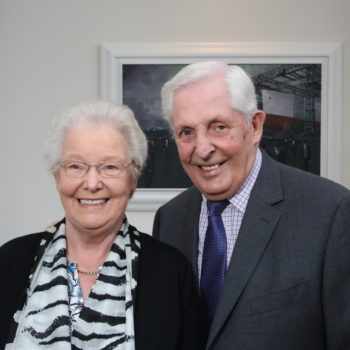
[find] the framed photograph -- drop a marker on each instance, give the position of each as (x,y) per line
(298,85)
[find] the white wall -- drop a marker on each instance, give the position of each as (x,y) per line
(49,58)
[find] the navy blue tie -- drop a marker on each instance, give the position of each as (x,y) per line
(214,258)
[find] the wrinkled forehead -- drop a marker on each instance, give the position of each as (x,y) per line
(205,90)
(205,93)
(205,82)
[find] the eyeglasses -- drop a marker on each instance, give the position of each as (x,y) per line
(77,168)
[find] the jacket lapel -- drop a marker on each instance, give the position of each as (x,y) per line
(257,228)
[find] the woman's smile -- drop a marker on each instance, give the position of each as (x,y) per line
(92,202)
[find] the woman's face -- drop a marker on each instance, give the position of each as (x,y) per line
(93,203)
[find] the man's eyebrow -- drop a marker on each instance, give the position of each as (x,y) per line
(216,119)
(183,126)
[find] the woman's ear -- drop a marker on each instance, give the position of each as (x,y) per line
(133,187)
(56,176)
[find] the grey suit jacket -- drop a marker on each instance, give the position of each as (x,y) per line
(287,286)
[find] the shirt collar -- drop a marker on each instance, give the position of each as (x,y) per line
(240,199)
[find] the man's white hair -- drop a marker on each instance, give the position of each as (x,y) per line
(240,86)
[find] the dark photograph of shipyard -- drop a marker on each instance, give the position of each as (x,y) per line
(290,95)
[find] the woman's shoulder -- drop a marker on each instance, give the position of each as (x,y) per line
(24,241)
(21,246)
(16,260)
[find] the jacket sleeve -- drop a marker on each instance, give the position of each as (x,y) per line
(336,280)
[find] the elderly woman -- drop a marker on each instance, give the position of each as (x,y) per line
(93,281)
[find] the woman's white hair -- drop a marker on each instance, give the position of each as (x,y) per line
(98,112)
(239,85)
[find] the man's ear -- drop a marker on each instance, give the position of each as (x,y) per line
(258,121)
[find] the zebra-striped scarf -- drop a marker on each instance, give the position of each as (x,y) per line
(106,320)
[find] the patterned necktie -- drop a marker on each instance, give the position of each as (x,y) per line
(214,258)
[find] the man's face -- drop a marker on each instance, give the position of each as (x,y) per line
(216,146)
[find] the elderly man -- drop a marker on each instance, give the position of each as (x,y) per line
(270,244)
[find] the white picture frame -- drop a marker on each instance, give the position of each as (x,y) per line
(328,54)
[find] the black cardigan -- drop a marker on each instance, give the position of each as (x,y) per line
(167,307)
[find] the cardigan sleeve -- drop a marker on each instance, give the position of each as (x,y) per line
(3,329)
(167,314)
(16,259)
(192,335)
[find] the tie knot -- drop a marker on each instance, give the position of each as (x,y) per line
(217,207)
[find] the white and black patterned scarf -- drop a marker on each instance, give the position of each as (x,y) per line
(107,318)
